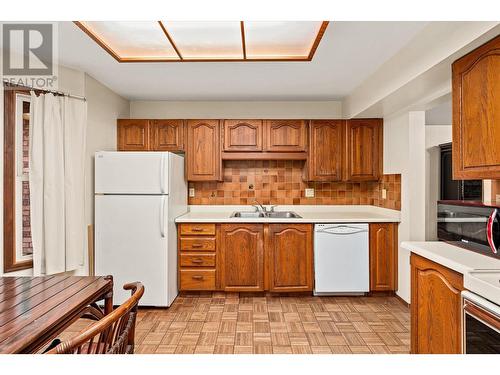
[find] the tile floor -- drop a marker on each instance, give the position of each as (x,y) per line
(228,323)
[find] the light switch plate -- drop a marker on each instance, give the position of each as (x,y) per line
(384,193)
(309,193)
(497,198)
(191,192)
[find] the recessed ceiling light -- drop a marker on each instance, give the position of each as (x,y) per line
(149,41)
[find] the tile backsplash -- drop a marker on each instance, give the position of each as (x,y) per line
(280,182)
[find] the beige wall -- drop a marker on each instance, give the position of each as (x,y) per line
(235,110)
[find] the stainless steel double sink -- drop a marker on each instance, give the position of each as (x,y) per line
(270,215)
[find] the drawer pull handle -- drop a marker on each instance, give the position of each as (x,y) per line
(197,261)
(197,277)
(197,245)
(197,229)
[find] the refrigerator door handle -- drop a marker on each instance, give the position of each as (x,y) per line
(162,216)
(162,173)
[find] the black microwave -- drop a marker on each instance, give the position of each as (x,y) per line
(471,225)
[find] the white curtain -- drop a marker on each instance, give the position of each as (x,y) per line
(57,183)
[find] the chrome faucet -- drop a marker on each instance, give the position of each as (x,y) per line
(258,205)
(262,208)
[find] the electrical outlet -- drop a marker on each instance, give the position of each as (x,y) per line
(191,192)
(309,193)
(384,193)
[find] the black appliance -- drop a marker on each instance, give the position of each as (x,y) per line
(481,325)
(456,189)
(471,225)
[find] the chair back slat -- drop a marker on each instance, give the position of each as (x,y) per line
(113,334)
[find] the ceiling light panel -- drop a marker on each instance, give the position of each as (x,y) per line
(280,39)
(206,40)
(134,40)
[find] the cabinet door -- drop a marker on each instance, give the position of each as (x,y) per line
(167,135)
(242,257)
(289,253)
(243,135)
(203,150)
(285,135)
(133,135)
(364,149)
(436,308)
(326,150)
(383,260)
(476,113)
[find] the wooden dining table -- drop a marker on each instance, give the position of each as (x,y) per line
(34,310)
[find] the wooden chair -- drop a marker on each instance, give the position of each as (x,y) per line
(113,334)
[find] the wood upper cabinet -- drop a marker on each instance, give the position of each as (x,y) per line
(203,159)
(167,135)
(383,256)
(364,149)
(476,113)
(133,135)
(289,257)
(436,308)
(285,135)
(243,135)
(326,150)
(242,257)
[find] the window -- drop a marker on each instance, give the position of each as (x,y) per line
(18,247)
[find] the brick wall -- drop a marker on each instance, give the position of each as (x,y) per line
(280,182)
(26,220)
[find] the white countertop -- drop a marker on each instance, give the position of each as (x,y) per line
(309,214)
(466,262)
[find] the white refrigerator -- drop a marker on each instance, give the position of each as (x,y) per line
(138,195)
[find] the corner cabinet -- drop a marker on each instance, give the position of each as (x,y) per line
(242,257)
(383,257)
(150,135)
(436,308)
(203,159)
(326,150)
(476,113)
(289,248)
(364,149)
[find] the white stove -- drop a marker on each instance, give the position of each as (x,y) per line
(485,283)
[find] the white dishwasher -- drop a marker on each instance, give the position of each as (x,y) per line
(341,259)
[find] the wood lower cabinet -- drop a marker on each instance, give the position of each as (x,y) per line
(285,136)
(242,257)
(167,135)
(197,257)
(326,150)
(133,135)
(243,135)
(245,257)
(436,308)
(383,257)
(364,149)
(203,158)
(476,113)
(289,256)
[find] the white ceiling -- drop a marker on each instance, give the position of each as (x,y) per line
(348,53)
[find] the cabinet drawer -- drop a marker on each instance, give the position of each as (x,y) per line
(197,260)
(197,229)
(197,279)
(198,244)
